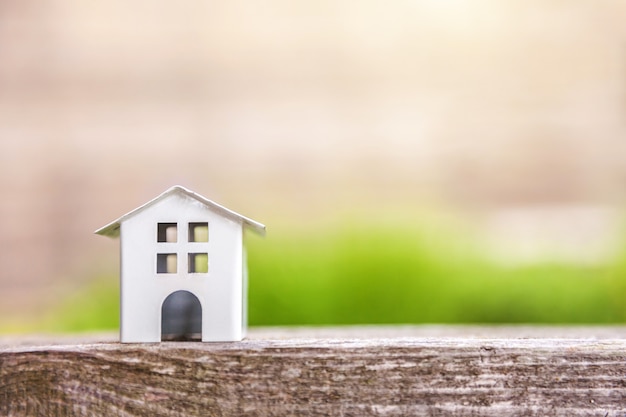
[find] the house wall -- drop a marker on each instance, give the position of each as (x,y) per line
(143,290)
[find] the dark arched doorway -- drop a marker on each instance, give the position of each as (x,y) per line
(181,317)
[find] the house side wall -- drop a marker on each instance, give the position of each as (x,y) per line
(143,290)
(244,270)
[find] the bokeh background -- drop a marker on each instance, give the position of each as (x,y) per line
(415,161)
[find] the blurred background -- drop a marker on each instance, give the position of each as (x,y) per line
(415,161)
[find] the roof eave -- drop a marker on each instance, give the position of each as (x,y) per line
(113,229)
(255,227)
(110,230)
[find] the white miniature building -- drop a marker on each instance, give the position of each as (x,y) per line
(182,245)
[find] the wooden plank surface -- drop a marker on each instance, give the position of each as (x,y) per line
(342,371)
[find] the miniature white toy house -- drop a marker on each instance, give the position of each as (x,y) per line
(182,247)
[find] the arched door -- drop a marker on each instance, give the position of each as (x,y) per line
(181,317)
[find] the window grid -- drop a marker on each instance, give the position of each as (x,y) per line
(167,232)
(197,262)
(198,232)
(167,263)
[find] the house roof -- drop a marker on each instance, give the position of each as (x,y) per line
(113,229)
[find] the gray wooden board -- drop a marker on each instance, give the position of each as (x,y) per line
(342,371)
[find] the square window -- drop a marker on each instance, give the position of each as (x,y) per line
(198,263)
(199,232)
(167,263)
(167,232)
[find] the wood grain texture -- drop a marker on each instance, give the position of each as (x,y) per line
(438,371)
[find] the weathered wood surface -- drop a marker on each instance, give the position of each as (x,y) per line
(362,371)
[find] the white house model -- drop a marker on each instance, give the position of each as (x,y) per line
(182,269)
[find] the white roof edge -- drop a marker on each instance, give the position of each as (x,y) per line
(113,229)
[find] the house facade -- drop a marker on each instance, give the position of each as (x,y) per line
(182,243)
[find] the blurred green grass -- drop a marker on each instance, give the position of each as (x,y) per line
(364,272)
(390,270)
